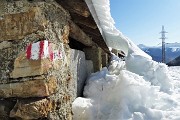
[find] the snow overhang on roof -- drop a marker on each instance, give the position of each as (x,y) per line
(100,10)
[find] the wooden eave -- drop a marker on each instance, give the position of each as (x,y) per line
(81,17)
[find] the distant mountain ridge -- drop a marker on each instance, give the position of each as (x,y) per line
(175,62)
(172,51)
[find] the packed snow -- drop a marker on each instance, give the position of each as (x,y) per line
(135,89)
(115,93)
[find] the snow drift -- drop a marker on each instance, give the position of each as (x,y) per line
(115,93)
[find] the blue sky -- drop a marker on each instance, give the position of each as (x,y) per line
(141,20)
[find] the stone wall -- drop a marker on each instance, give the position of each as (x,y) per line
(40,75)
(30,88)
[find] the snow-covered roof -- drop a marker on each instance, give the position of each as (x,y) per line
(100,11)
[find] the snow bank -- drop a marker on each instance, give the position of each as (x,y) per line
(142,64)
(115,93)
(156,73)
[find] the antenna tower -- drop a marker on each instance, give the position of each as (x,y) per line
(163,37)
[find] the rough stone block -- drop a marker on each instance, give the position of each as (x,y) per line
(65,34)
(31,88)
(17,26)
(5,107)
(24,67)
(5,44)
(31,109)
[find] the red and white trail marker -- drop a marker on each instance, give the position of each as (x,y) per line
(41,50)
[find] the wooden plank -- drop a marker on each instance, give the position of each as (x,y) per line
(79,8)
(101,43)
(87,21)
(96,37)
(79,35)
(90,31)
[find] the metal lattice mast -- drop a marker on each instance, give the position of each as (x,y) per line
(163,37)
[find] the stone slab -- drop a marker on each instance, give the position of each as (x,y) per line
(31,88)
(31,109)
(17,26)
(24,67)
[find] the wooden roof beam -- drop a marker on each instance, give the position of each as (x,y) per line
(92,32)
(77,7)
(98,40)
(87,21)
(79,35)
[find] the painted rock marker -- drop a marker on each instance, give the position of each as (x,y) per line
(42,49)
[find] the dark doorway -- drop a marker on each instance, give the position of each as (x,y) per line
(74,44)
